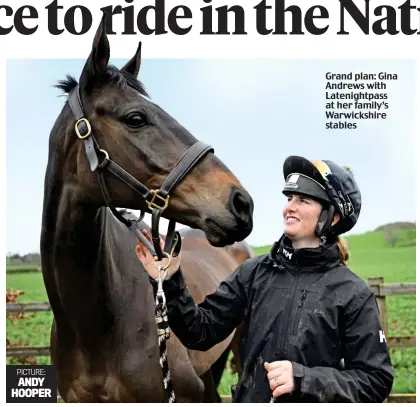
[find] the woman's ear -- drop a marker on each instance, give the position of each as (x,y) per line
(336,219)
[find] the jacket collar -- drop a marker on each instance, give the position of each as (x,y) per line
(322,258)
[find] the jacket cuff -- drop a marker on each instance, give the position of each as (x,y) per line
(298,375)
(171,287)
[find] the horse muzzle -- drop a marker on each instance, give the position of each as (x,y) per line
(233,226)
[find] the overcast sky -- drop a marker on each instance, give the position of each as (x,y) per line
(254,113)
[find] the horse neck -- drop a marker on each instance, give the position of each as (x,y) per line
(73,262)
(87,255)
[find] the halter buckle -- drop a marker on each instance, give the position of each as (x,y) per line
(86,129)
(152,203)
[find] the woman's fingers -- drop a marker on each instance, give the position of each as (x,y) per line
(276,381)
(280,390)
(142,252)
(149,238)
(274,373)
(146,234)
(147,259)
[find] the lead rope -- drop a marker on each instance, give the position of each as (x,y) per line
(163,331)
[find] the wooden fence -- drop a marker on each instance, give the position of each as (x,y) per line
(380,290)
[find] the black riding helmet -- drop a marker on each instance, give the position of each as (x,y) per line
(331,185)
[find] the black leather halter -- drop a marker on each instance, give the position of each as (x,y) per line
(157,200)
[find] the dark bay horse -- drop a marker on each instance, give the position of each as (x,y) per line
(103,339)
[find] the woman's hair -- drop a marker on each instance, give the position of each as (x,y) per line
(343,249)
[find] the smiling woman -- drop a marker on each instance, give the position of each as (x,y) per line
(300,218)
(309,321)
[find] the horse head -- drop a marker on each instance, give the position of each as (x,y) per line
(147,143)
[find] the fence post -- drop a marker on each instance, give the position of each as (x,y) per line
(375,284)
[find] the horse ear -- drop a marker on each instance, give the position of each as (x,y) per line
(133,65)
(97,61)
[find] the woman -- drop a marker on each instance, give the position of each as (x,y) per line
(311,330)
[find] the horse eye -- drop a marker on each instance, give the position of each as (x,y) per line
(135,120)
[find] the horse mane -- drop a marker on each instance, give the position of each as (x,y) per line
(113,76)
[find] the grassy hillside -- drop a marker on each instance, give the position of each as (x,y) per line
(369,241)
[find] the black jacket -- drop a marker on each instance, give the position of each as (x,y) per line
(300,305)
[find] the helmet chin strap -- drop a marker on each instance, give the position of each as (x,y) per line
(324,225)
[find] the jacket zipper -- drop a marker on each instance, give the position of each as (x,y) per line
(300,306)
(283,341)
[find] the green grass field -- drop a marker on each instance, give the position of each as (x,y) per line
(371,256)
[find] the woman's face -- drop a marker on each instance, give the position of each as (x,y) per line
(300,217)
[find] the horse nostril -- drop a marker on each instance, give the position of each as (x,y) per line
(241,204)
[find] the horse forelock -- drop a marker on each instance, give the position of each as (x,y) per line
(67,85)
(113,76)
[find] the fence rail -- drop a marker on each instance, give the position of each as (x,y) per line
(19,270)
(27,351)
(393,398)
(28,307)
(377,285)
(382,290)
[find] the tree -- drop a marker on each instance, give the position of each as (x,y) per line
(392,236)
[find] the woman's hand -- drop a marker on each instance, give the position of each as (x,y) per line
(280,377)
(147,259)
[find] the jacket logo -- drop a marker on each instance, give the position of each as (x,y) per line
(382,336)
(287,254)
